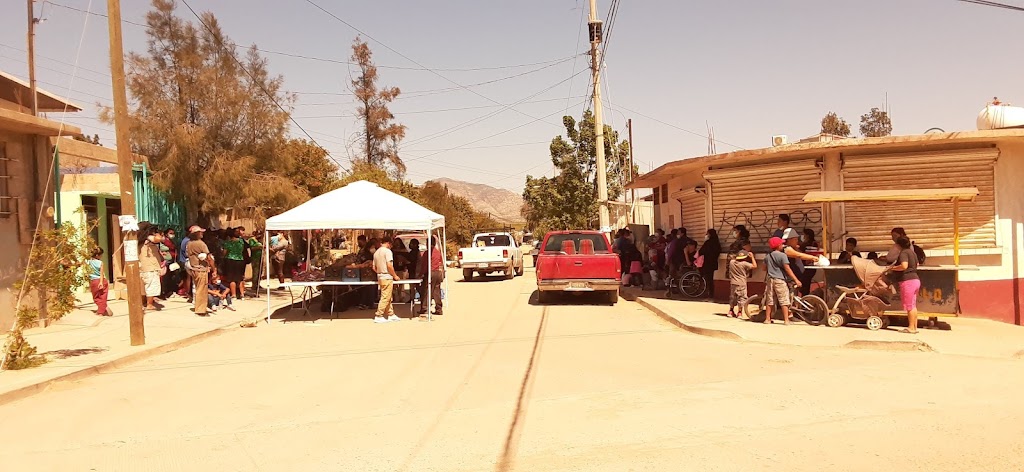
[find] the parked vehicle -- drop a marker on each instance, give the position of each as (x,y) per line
(490,253)
(577,261)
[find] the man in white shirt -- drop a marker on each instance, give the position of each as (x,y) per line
(384,266)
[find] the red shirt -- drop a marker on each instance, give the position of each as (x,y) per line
(436,262)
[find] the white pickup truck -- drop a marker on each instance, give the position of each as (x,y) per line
(490,253)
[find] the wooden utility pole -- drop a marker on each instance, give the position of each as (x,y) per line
(34,101)
(596,36)
(124,172)
(632,192)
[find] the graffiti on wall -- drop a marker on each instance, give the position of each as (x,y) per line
(761,224)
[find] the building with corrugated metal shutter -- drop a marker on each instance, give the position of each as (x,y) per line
(751,187)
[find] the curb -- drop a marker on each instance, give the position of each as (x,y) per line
(712,333)
(905,346)
(145,353)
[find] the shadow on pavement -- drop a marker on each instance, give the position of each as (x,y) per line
(67,353)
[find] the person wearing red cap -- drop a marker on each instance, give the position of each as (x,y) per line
(776,290)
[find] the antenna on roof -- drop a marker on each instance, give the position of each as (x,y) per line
(711,139)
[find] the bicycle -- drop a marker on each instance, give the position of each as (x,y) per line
(690,283)
(810,309)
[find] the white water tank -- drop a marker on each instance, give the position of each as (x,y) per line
(997,115)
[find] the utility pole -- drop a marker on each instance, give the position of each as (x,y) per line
(32,21)
(124,172)
(596,35)
(633,191)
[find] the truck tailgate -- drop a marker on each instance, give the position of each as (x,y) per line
(483,254)
(578,266)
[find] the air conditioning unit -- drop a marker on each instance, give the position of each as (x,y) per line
(780,140)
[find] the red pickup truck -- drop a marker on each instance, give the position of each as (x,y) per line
(577,261)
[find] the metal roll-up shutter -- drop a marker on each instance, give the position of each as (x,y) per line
(694,211)
(755,195)
(929,224)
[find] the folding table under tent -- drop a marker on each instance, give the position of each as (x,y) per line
(360,205)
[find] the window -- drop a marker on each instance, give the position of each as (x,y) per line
(664,193)
(556,241)
(494,240)
(6,199)
(657,196)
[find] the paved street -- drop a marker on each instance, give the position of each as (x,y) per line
(499,383)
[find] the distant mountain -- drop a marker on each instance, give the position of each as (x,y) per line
(504,205)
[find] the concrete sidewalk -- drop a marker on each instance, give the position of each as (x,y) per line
(963,336)
(83,344)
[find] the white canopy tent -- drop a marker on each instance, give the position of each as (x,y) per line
(360,205)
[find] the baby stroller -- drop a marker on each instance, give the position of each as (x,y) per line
(865,303)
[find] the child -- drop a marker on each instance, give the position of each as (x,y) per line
(776,290)
(98,283)
(217,291)
(741,264)
(846,257)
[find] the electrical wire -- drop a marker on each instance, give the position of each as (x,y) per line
(481,119)
(433,71)
(488,137)
(441,110)
(267,92)
(338,61)
(670,125)
(993,4)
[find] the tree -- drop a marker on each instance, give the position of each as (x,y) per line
(53,273)
(833,124)
(379,136)
(569,200)
(875,124)
(213,122)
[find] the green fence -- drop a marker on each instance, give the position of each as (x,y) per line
(155,206)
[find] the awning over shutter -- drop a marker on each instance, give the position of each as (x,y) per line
(929,224)
(755,195)
(694,205)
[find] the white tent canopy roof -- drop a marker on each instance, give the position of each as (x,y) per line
(359,205)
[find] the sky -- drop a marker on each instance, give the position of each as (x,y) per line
(485,83)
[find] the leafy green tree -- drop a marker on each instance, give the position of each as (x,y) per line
(379,135)
(212,121)
(833,124)
(569,200)
(56,270)
(875,123)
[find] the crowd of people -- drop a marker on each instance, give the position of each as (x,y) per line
(788,264)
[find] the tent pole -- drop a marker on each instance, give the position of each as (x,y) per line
(430,270)
(444,262)
(309,246)
(266,264)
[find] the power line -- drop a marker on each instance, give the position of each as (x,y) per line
(433,71)
(339,61)
(488,137)
(265,91)
(670,125)
(481,119)
(993,4)
(440,110)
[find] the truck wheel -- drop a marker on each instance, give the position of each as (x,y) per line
(510,273)
(519,270)
(613,297)
(467,275)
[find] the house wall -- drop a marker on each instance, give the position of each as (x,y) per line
(669,215)
(16,229)
(994,291)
